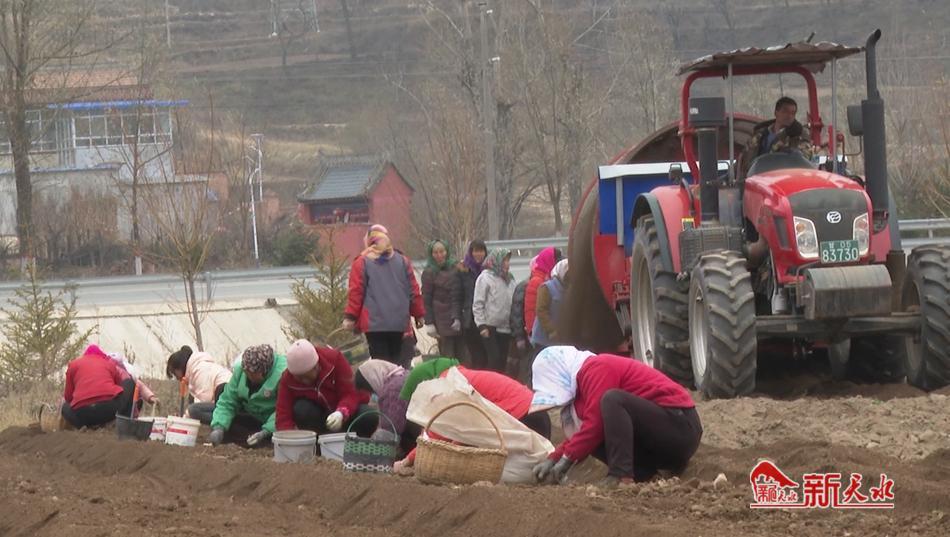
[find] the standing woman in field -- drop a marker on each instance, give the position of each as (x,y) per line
(491,308)
(470,269)
(383,294)
(442,293)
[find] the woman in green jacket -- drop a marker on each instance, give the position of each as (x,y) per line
(245,412)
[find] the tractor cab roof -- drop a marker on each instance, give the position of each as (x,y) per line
(811,56)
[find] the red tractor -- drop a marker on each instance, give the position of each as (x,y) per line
(696,255)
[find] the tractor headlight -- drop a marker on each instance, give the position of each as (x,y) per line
(806,238)
(861,234)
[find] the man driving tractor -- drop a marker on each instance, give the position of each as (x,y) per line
(782,134)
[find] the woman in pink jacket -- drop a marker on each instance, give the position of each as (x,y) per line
(206,380)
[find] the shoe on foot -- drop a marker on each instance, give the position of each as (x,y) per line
(612,482)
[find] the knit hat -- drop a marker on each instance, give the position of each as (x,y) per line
(301,357)
(258,359)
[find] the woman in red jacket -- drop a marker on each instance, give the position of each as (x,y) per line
(317,392)
(97,389)
(620,410)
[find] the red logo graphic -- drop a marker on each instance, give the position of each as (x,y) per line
(772,489)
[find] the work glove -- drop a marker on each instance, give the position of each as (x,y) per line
(456,325)
(348,325)
(335,421)
(555,470)
(258,437)
(216,436)
(542,470)
(431,330)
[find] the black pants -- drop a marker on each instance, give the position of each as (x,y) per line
(496,350)
(642,437)
(385,345)
(243,426)
(203,412)
(451,346)
(539,422)
(475,357)
(311,416)
(102,412)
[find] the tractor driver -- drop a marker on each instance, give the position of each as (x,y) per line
(782,134)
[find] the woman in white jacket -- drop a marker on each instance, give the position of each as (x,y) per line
(491,308)
(206,380)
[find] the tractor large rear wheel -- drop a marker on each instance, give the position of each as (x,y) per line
(658,308)
(722,336)
(927,290)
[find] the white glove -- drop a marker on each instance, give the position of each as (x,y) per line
(431,330)
(335,421)
(257,438)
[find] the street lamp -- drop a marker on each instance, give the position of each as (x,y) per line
(259,173)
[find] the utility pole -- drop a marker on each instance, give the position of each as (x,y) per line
(168,27)
(275,10)
(488,123)
(316,19)
(259,173)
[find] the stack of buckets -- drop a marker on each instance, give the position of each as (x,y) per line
(175,431)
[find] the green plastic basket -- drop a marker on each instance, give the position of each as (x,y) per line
(366,454)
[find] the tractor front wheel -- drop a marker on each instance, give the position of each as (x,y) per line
(927,291)
(722,335)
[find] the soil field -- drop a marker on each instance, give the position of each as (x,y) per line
(89,484)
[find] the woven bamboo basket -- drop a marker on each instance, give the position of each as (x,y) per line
(442,462)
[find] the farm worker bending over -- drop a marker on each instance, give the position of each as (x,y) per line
(619,410)
(244,414)
(386,381)
(506,393)
(206,380)
(383,293)
(491,307)
(317,392)
(98,388)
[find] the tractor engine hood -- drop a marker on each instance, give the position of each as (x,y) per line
(784,183)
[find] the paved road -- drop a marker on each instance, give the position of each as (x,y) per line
(226,286)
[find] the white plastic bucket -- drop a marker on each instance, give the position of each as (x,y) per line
(294,446)
(181,431)
(331,446)
(158,429)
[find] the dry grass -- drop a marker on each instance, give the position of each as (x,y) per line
(20,408)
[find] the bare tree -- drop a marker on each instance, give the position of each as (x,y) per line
(36,36)
(292,29)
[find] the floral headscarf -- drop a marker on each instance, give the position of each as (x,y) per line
(430,262)
(495,262)
(258,359)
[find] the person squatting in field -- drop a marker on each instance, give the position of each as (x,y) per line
(622,411)
(382,296)
(98,386)
(246,411)
(206,380)
(506,393)
(386,380)
(317,392)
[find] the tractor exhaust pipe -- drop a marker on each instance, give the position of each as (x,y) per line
(875,140)
(708,142)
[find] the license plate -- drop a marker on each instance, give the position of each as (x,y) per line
(839,251)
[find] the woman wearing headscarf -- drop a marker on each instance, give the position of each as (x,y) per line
(550,296)
(383,295)
(442,294)
(470,269)
(541,266)
(386,381)
(317,392)
(97,388)
(206,380)
(491,308)
(618,409)
(246,411)
(506,393)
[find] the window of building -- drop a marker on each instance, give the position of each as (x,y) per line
(41,126)
(95,128)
